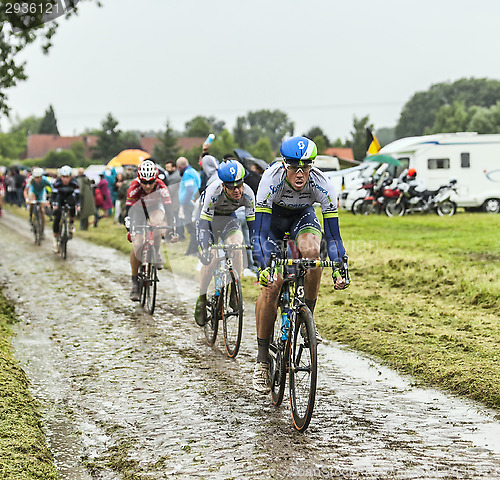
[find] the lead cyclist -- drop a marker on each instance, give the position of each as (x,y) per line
(285,198)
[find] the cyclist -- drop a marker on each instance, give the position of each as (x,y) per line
(65,191)
(217,219)
(285,198)
(148,199)
(36,192)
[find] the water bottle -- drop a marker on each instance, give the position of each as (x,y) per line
(209,140)
(285,325)
(218,285)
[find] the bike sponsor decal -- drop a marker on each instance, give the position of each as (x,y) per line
(493,175)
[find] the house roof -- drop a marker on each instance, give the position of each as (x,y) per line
(340,153)
(41,144)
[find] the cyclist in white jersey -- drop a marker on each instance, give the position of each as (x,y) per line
(218,220)
(285,198)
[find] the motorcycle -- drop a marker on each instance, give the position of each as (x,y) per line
(439,201)
(376,198)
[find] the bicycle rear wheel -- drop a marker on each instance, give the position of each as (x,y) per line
(278,351)
(149,289)
(303,368)
(232,314)
(213,308)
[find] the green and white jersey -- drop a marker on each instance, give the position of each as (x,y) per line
(214,201)
(275,190)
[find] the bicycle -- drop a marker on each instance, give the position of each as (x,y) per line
(148,274)
(226,301)
(36,222)
(63,236)
(293,346)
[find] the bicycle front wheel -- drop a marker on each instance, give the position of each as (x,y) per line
(149,290)
(278,351)
(303,368)
(37,226)
(214,312)
(232,314)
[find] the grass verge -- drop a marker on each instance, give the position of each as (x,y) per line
(23,451)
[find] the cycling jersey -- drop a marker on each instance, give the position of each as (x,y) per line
(159,194)
(276,199)
(215,203)
(140,204)
(39,189)
(65,194)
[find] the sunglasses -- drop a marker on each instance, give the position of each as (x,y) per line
(148,182)
(294,168)
(233,187)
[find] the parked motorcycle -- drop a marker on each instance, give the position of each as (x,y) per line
(439,201)
(376,198)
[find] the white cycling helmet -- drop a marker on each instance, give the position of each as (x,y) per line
(38,172)
(65,171)
(147,171)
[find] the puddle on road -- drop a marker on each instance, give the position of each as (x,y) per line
(124,391)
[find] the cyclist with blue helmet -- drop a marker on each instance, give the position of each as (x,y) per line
(285,198)
(36,192)
(217,220)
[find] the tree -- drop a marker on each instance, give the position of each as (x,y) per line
(166,149)
(420,111)
(452,118)
(320,142)
(12,145)
(262,149)
(358,141)
(386,135)
(273,124)
(201,126)
(55,159)
(109,142)
(315,132)
(130,139)
(78,149)
(19,30)
(49,122)
(29,125)
(486,120)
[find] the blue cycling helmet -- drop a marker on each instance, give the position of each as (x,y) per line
(299,150)
(231,172)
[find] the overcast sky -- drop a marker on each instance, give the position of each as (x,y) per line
(321,61)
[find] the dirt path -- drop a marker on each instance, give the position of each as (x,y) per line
(124,391)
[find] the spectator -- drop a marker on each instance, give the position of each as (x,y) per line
(102,198)
(87,204)
(120,178)
(172,182)
(19,182)
(208,173)
(188,188)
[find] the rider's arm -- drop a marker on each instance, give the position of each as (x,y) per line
(335,245)
(204,234)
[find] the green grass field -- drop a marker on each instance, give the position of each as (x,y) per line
(425,295)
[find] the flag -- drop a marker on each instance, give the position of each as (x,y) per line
(372,145)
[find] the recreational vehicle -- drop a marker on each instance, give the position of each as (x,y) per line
(472,159)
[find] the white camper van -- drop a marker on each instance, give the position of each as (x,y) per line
(474,160)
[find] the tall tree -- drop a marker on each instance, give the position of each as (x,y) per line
(318,132)
(262,149)
(420,111)
(49,122)
(201,126)
(109,143)
(166,149)
(273,124)
(17,30)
